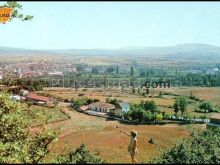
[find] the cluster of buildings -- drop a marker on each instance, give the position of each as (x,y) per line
(105,109)
(35,69)
(204,71)
(33,97)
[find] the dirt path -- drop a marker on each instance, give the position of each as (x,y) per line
(77,122)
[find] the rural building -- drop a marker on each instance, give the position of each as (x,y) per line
(24,92)
(121,108)
(101,107)
(38,99)
(214,120)
(15,98)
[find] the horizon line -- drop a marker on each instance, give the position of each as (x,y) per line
(125,47)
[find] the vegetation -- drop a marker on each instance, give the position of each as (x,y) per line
(207,107)
(83,101)
(199,148)
(17,7)
(145,111)
(28,84)
(80,155)
(180,105)
(17,144)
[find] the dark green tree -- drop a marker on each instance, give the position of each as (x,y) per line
(206,106)
(132,71)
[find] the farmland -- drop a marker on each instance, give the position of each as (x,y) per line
(165,103)
(102,136)
(104,139)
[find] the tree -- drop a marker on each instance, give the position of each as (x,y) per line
(17,143)
(133,89)
(160,94)
(202,147)
(149,105)
(110,69)
(180,104)
(95,70)
(206,106)
(78,102)
(17,7)
(183,104)
(117,69)
(132,71)
(159,116)
(191,94)
(147,91)
(176,106)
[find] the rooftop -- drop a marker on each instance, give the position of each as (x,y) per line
(102,105)
(37,97)
(215,116)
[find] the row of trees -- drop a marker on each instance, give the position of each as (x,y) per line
(28,84)
(145,111)
(82,101)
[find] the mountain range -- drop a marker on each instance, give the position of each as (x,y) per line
(182,51)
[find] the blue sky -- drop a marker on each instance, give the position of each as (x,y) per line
(86,25)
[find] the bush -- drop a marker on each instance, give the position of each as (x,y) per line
(199,148)
(17,143)
(79,156)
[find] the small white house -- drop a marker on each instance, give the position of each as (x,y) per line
(101,107)
(24,92)
(15,98)
(121,108)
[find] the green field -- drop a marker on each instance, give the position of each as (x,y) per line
(39,114)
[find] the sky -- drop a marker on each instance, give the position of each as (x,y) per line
(109,25)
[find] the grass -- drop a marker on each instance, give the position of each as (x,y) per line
(38,114)
(162,103)
(205,93)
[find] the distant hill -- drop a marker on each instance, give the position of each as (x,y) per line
(182,51)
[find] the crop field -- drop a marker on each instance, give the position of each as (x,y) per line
(68,93)
(164,103)
(205,93)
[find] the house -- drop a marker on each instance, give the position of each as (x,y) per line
(24,92)
(38,99)
(214,120)
(101,107)
(15,98)
(122,107)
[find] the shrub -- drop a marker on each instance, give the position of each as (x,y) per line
(200,148)
(79,156)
